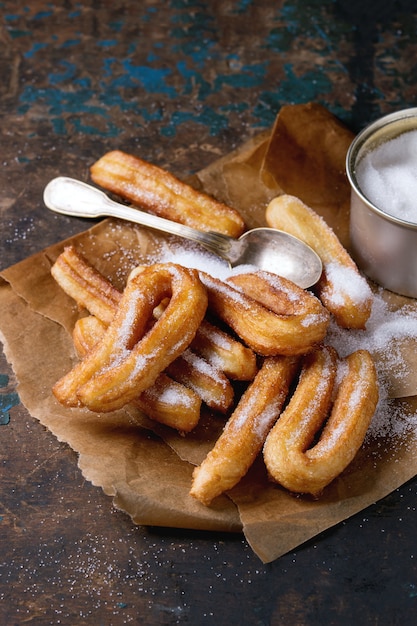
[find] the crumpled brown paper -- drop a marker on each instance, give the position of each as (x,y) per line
(145,467)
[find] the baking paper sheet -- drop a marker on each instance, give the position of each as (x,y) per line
(147,468)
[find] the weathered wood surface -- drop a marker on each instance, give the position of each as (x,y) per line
(179,83)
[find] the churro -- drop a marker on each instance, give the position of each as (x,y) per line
(245,431)
(157,191)
(128,359)
(211,384)
(84,284)
(341,288)
(166,401)
(334,403)
(295,331)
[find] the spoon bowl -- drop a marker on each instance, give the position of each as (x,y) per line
(265,248)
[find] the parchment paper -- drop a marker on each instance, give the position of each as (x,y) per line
(144,467)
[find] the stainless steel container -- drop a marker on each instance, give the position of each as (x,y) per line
(384,246)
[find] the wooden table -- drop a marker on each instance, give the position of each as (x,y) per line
(180,84)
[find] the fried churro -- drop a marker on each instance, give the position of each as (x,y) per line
(267,331)
(333,402)
(157,191)
(341,288)
(128,359)
(166,401)
(245,431)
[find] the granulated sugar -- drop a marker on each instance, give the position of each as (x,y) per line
(200,259)
(387,176)
(386,331)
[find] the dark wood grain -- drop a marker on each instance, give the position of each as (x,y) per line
(180,84)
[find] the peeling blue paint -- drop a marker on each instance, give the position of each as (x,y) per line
(35,48)
(7,401)
(42,15)
(59,101)
(151,79)
(15,33)
(248,77)
(71,43)
(72,101)
(69,72)
(306,87)
(107,43)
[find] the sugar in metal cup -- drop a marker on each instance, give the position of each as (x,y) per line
(381,166)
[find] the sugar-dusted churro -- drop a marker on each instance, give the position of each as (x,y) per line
(90,289)
(210,383)
(245,431)
(157,191)
(230,356)
(267,331)
(325,422)
(127,360)
(341,288)
(166,401)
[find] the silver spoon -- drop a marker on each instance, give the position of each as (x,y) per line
(265,248)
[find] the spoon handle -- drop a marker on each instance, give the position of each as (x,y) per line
(73,197)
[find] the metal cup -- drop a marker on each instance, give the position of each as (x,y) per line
(384,246)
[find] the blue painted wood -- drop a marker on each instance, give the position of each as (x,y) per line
(179,82)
